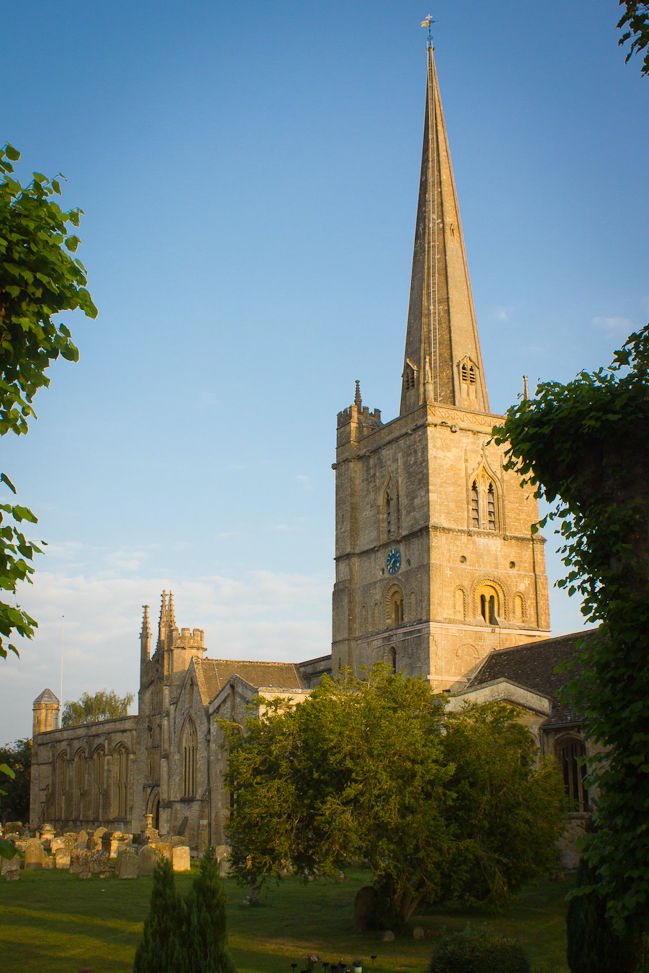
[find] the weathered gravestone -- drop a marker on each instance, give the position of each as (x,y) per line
(47,835)
(80,846)
(82,838)
(164,848)
(225,868)
(388,937)
(365,906)
(49,861)
(418,933)
(62,857)
(56,844)
(127,863)
(10,868)
(180,858)
(34,855)
(177,841)
(85,860)
(148,858)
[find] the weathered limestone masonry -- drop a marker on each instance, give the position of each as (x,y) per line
(436,564)
(161,769)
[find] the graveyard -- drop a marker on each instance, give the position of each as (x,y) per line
(54,921)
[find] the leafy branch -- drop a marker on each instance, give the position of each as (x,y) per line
(636,17)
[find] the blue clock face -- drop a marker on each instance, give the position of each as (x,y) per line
(393,560)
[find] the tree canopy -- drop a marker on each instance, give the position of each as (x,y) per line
(15,802)
(103,705)
(635,24)
(366,769)
(39,278)
(586,446)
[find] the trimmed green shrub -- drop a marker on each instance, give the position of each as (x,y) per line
(205,941)
(479,951)
(159,951)
(593,946)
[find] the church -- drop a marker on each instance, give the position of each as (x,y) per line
(438,574)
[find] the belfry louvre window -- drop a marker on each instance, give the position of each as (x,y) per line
(409,378)
(491,507)
(188,754)
(570,754)
(475,504)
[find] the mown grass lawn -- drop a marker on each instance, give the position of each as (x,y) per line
(52,922)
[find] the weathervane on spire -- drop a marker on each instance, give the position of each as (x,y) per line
(427,23)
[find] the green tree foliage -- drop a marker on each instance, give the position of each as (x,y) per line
(478,950)
(18,757)
(635,23)
(508,807)
(39,278)
(593,945)
(103,705)
(190,935)
(362,770)
(586,445)
(205,942)
(160,950)
(7,850)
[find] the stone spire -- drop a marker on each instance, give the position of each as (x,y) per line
(442,359)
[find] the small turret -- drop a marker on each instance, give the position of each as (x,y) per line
(47,711)
(145,637)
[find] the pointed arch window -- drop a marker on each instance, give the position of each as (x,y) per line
(475,505)
(79,781)
(120,780)
(491,507)
(188,754)
(572,760)
(396,608)
(61,783)
(98,781)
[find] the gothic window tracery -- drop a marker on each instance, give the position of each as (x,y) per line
(188,754)
(483,501)
(571,755)
(120,780)
(475,505)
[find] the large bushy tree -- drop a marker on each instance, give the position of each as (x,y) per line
(585,445)
(39,278)
(103,705)
(18,757)
(367,769)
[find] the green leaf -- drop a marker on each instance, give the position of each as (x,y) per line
(5,479)
(12,153)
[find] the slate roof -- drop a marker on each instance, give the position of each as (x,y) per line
(532,666)
(213,674)
(47,696)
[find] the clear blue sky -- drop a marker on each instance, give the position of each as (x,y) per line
(249,176)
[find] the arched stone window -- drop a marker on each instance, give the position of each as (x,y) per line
(468,379)
(79,782)
(460,603)
(519,608)
(395,608)
(120,779)
(188,755)
(61,783)
(491,507)
(571,755)
(392,658)
(98,781)
(489,604)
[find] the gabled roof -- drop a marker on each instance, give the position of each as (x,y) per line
(532,666)
(213,674)
(47,696)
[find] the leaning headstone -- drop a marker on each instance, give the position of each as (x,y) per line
(33,855)
(82,838)
(10,868)
(56,844)
(180,858)
(127,863)
(388,937)
(62,858)
(418,933)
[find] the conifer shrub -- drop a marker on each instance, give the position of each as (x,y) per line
(593,945)
(479,951)
(160,950)
(205,941)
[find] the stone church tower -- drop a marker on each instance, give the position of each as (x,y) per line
(436,565)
